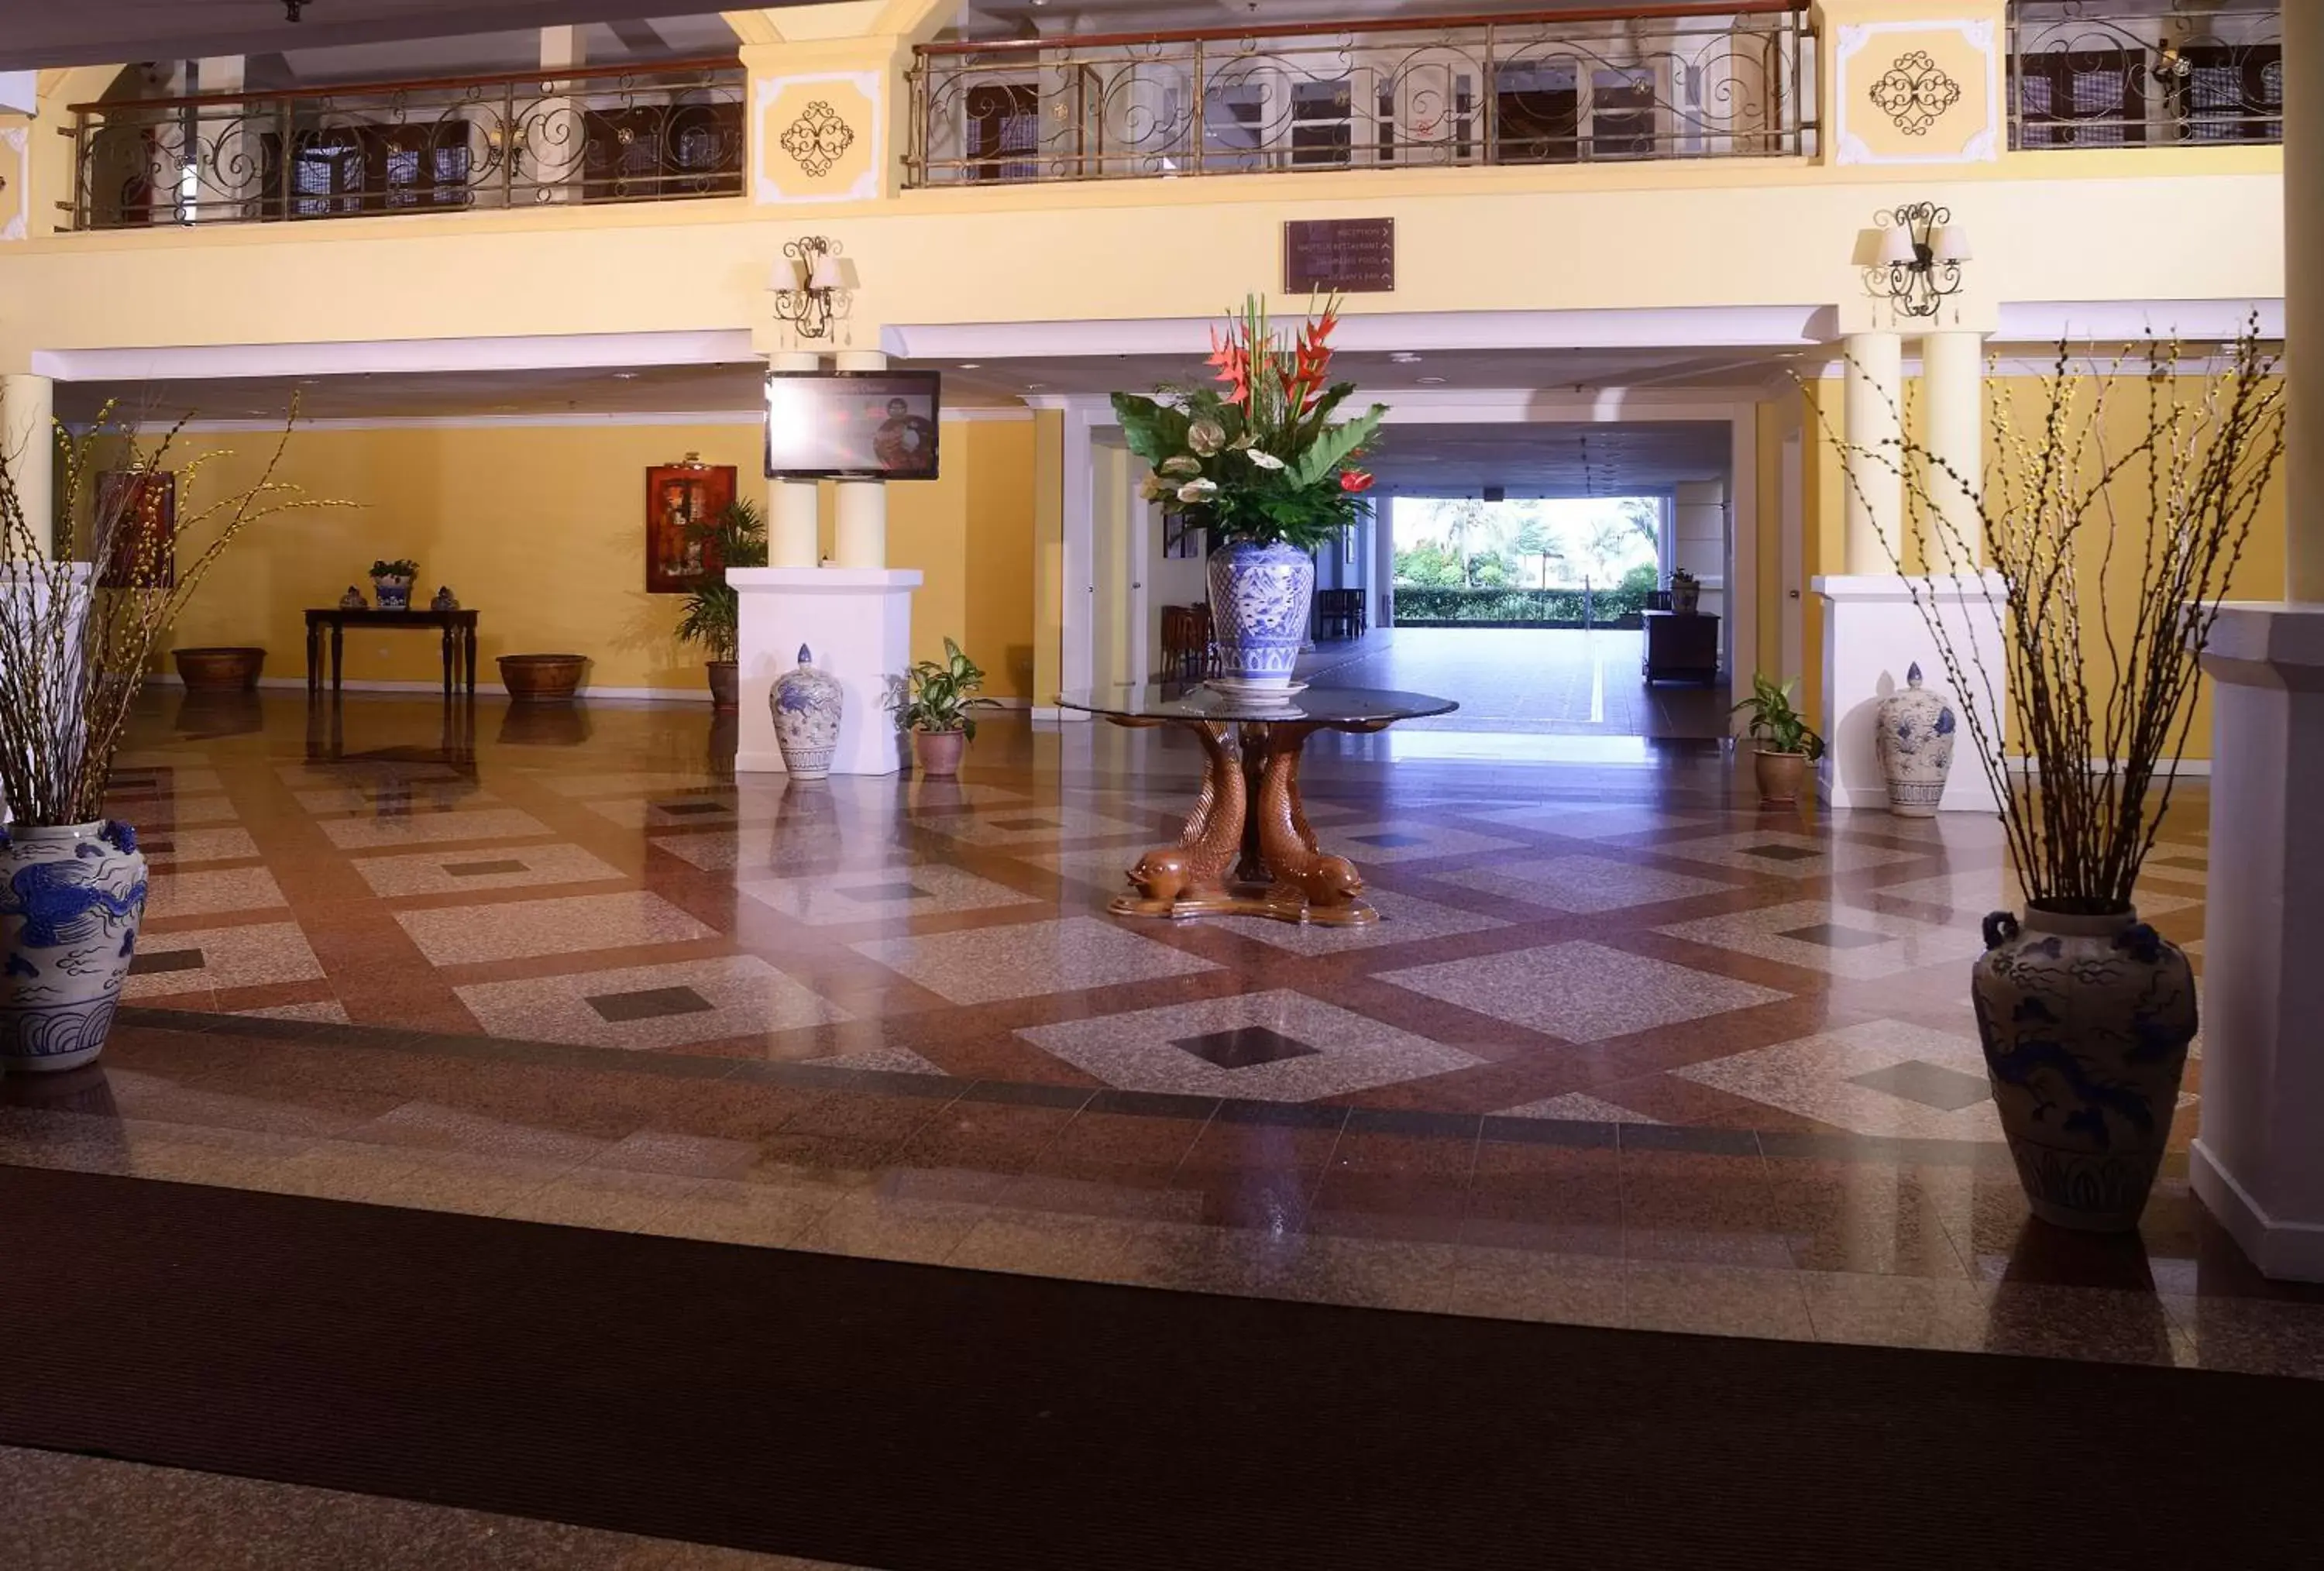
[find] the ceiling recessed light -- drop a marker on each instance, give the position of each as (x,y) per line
(972,366)
(1430,380)
(1036,386)
(1404,357)
(625,376)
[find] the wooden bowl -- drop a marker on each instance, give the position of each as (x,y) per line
(542,679)
(219,670)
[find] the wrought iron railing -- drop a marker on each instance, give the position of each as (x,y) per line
(2120,74)
(1570,86)
(600,135)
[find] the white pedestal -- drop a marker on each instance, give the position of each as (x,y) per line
(858,620)
(1874,633)
(2259,1163)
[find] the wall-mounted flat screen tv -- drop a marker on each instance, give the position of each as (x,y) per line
(856,425)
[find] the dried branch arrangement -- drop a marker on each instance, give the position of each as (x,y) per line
(2102,700)
(84,605)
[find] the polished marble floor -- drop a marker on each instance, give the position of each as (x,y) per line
(1628,1049)
(1526,681)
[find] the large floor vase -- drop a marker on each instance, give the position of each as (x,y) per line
(2086,1022)
(1259,599)
(72,899)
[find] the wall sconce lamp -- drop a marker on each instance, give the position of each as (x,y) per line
(810,274)
(1918,262)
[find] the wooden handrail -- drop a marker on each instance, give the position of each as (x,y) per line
(416,84)
(1068,43)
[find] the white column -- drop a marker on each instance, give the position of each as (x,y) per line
(28,435)
(556,136)
(794,507)
(2257,1162)
(1952,397)
(859,536)
(234,160)
(1383,585)
(1698,538)
(1872,412)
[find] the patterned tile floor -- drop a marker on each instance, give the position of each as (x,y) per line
(1628,1049)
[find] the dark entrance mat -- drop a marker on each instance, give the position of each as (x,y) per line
(915,1418)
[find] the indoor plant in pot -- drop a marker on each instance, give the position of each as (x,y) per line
(75,648)
(711,614)
(937,710)
(1256,459)
(391,583)
(1686,591)
(2112,539)
(1787,744)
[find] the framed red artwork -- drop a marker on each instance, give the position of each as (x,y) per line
(682,500)
(139,507)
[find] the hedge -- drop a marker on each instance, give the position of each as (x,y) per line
(1418,606)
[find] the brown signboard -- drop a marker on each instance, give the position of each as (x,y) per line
(1339,255)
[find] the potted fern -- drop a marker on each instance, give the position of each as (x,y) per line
(711,613)
(935,710)
(1787,745)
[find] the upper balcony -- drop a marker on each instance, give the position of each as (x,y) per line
(624,134)
(2123,74)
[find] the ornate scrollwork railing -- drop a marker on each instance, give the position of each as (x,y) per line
(1659,82)
(603,135)
(2114,73)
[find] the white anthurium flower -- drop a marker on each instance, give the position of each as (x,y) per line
(1266,460)
(1207,437)
(1198,490)
(1182,467)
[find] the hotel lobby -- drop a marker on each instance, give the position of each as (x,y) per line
(582,1133)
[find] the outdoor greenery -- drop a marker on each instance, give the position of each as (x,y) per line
(711,614)
(1419,607)
(1775,723)
(942,694)
(1464,544)
(1257,458)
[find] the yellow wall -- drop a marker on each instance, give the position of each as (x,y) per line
(540,528)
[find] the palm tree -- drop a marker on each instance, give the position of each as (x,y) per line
(1533,541)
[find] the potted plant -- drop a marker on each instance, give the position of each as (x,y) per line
(1686,591)
(711,613)
(391,583)
(2086,1013)
(1257,461)
(1788,745)
(75,648)
(935,710)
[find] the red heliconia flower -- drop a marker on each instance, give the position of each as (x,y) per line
(1355,481)
(1233,363)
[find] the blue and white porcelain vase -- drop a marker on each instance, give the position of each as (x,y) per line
(1914,742)
(71,898)
(2086,1020)
(807,706)
(392,593)
(1259,599)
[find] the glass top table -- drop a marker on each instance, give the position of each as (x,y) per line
(1328,706)
(1246,849)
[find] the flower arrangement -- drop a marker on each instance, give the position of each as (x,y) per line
(1256,456)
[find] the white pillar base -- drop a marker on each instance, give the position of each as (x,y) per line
(2258,1165)
(1872,635)
(859,624)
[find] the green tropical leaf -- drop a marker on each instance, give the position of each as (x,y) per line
(1333,447)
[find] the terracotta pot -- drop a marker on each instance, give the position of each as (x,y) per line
(541,678)
(725,685)
(939,752)
(2086,1022)
(219,670)
(1780,776)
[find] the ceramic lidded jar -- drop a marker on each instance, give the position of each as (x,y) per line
(807,704)
(72,899)
(1914,741)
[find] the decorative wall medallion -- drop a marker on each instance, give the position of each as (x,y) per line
(1914,92)
(818,139)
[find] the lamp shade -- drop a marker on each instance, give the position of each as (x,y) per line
(1895,245)
(826,273)
(1950,244)
(784,274)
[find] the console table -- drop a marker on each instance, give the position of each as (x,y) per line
(459,629)
(1681,646)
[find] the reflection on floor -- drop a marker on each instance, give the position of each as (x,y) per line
(1526,680)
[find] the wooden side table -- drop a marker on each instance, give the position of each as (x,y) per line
(1681,646)
(459,629)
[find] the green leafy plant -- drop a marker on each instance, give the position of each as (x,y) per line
(1680,575)
(711,616)
(402,568)
(1256,456)
(942,694)
(1775,723)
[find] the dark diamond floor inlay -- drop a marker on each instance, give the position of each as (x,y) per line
(1781,853)
(147,963)
(876,893)
(1929,1084)
(1833,937)
(482,869)
(1244,1047)
(691,810)
(1391,840)
(1017,825)
(648,1004)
